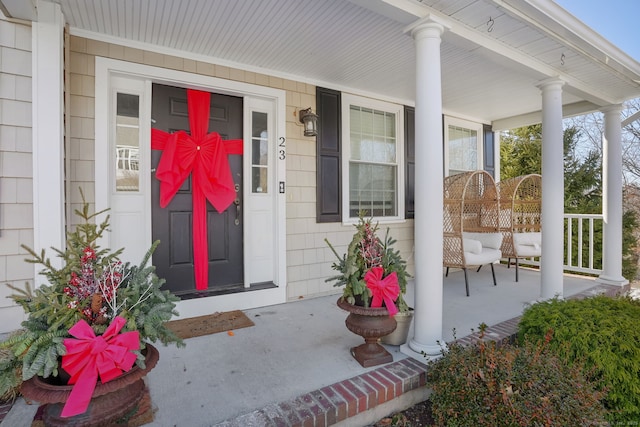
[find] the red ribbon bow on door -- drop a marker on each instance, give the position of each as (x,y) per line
(204,156)
(90,356)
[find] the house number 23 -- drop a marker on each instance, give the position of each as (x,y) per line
(281,152)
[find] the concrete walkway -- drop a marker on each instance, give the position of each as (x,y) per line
(303,346)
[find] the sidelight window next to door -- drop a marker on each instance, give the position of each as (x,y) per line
(259,153)
(127,142)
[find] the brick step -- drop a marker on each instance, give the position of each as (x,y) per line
(343,400)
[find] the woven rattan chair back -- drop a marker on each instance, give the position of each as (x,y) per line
(470,205)
(520,210)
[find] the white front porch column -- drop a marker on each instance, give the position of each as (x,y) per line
(48,131)
(612,197)
(428,192)
(551,261)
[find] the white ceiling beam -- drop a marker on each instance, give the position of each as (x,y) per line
(631,119)
(535,117)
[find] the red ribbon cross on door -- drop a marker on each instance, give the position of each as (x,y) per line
(204,156)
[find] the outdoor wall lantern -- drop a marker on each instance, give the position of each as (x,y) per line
(310,121)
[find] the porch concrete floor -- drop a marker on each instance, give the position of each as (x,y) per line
(302,346)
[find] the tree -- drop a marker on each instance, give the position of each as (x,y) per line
(582,176)
(592,129)
(521,153)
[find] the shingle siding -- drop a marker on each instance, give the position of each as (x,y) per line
(16,163)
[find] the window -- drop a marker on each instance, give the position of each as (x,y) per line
(127,142)
(372,164)
(463,146)
(333,151)
(259,153)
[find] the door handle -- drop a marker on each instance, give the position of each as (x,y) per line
(237,203)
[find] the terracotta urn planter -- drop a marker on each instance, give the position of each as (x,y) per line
(112,404)
(371,324)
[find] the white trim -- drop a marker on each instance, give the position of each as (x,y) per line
(496,155)
(585,33)
(466,124)
(105,68)
(631,119)
(48,133)
(261,241)
(347,101)
(130,211)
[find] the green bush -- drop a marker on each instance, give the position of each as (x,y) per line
(10,376)
(507,385)
(601,332)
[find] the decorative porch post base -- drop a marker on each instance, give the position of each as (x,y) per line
(422,353)
(371,353)
(605,280)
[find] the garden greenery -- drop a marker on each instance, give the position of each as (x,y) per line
(601,332)
(365,251)
(491,385)
(92,285)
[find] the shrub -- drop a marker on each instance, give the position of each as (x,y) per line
(601,332)
(490,385)
(10,376)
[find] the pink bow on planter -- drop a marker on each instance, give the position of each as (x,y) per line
(90,356)
(386,289)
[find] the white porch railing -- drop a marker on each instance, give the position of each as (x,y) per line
(582,233)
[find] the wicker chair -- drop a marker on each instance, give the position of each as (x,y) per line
(520,212)
(470,224)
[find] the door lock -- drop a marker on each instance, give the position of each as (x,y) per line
(237,203)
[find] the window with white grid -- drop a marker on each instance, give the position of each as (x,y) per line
(463,146)
(373,158)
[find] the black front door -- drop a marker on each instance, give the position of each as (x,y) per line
(172,225)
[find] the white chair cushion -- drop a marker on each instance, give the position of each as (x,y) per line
(472,246)
(487,256)
(527,244)
(488,240)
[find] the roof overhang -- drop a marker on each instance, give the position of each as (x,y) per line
(19,9)
(494,53)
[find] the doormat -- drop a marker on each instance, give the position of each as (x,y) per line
(209,324)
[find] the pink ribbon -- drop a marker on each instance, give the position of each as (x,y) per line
(90,356)
(386,289)
(203,155)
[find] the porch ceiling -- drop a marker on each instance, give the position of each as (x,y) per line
(493,56)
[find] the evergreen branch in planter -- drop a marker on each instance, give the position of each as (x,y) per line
(365,251)
(92,285)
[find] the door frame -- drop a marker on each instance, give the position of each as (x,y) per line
(255,97)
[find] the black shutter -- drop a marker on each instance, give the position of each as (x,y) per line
(489,150)
(328,156)
(409,161)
